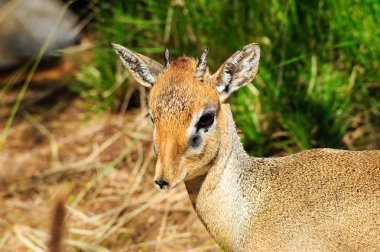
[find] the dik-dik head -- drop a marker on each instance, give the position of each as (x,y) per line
(184,105)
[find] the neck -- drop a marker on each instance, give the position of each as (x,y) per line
(230,147)
(216,195)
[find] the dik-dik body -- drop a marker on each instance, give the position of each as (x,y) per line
(316,200)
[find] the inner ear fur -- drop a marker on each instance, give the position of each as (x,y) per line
(238,70)
(144,69)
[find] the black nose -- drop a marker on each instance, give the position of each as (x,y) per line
(163,184)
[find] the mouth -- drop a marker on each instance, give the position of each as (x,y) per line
(163,188)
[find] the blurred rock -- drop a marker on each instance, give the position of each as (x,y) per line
(26,24)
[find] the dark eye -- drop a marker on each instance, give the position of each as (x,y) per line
(206,120)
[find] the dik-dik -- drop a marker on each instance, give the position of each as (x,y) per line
(316,200)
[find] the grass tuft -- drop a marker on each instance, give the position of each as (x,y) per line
(317,70)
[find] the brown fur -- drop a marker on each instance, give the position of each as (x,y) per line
(173,101)
(326,198)
(317,200)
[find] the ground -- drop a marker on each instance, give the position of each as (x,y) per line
(102,165)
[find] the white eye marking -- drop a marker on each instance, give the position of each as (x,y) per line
(150,115)
(154,141)
(202,123)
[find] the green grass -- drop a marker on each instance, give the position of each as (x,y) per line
(318,69)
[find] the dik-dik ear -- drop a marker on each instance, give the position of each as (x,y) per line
(143,69)
(237,71)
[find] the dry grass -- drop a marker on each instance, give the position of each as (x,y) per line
(105,165)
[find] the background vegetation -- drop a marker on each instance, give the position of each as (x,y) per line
(318,86)
(318,83)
